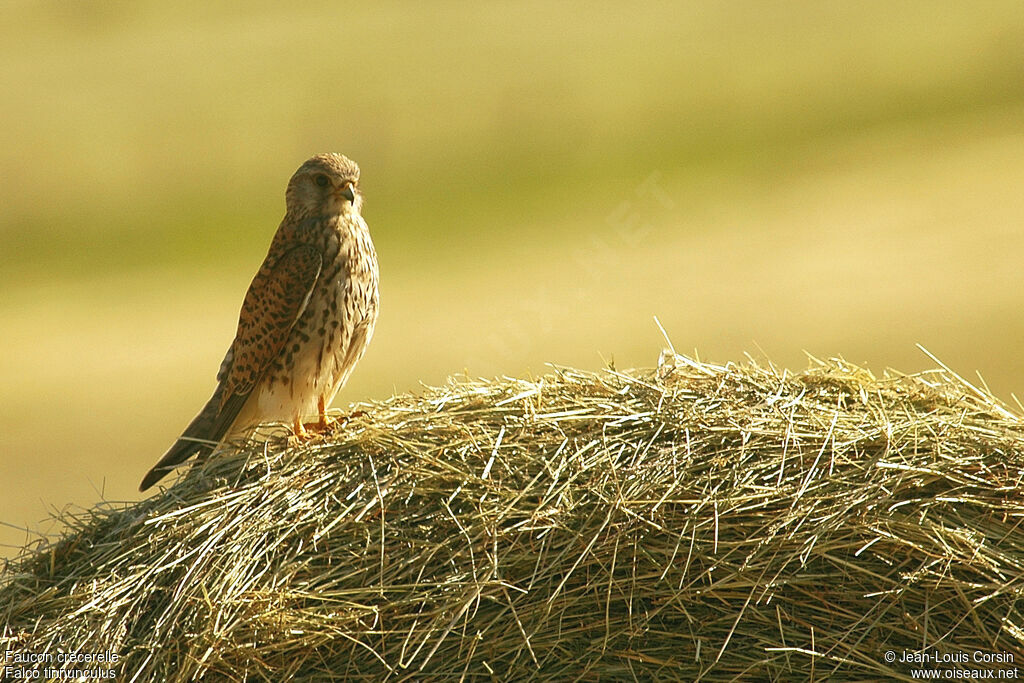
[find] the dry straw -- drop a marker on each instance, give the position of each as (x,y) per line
(696,522)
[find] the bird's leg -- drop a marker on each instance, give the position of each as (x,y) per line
(299,428)
(323,424)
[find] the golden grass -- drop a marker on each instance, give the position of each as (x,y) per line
(695,521)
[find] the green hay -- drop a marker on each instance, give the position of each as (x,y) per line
(699,521)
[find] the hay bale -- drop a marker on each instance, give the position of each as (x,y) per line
(699,521)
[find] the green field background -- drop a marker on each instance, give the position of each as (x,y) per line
(541,181)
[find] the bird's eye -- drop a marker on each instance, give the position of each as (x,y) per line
(321,180)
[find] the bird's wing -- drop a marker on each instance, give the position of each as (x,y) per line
(276,299)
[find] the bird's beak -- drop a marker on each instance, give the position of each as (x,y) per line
(348,192)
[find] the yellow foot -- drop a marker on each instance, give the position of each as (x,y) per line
(324,424)
(299,430)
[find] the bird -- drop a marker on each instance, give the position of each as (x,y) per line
(306,319)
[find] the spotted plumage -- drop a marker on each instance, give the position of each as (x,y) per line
(306,319)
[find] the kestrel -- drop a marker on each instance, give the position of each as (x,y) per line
(306,319)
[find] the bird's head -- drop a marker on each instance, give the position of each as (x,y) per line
(326,185)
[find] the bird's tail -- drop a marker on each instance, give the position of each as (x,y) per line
(183,449)
(195,439)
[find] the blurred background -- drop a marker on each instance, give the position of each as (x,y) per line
(839,179)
